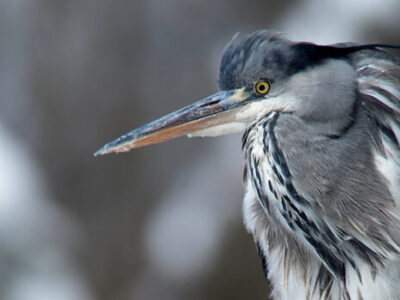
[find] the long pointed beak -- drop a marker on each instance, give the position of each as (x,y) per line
(211,111)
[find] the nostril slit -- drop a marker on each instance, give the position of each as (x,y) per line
(209,103)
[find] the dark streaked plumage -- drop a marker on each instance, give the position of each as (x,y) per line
(333,205)
(321,146)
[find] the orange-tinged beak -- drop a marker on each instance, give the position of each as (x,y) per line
(211,111)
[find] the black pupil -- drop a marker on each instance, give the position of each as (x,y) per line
(261,87)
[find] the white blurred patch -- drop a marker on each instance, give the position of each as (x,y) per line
(185,230)
(35,236)
(66,285)
(328,22)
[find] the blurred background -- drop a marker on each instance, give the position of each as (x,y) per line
(163,222)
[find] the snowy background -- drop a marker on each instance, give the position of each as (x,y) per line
(162,222)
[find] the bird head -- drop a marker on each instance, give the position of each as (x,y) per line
(260,73)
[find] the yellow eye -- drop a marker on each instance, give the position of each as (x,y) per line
(262,87)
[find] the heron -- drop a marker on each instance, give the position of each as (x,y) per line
(321,144)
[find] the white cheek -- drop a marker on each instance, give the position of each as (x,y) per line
(251,111)
(228,128)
